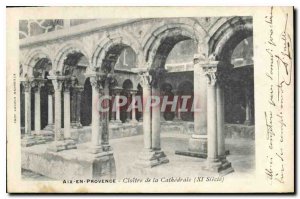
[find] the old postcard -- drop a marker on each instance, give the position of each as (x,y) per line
(150,100)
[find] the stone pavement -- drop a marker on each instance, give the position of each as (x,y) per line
(126,150)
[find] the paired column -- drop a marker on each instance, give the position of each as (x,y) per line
(177,113)
(248,117)
(96,129)
(152,155)
(216,157)
(37,107)
(27,90)
(67,111)
(60,142)
(133,102)
(117,101)
(50,110)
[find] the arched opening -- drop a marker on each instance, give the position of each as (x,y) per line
(239,98)
(166,90)
(126,59)
(127,87)
(186,91)
(86,104)
(75,65)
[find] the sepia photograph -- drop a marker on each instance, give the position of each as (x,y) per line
(150,101)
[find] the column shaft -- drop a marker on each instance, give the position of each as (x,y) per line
(28,112)
(67,112)
(58,133)
(156,122)
(212,152)
(220,121)
(117,107)
(133,102)
(37,110)
(146,117)
(96,133)
(50,109)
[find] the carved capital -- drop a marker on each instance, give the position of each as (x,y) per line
(57,82)
(216,71)
(37,84)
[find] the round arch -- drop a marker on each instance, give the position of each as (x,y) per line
(228,36)
(108,42)
(178,30)
(32,59)
(64,51)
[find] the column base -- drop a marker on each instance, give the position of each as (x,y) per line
(49,127)
(248,123)
(61,145)
(197,147)
(30,140)
(149,159)
(220,166)
(95,149)
(76,125)
(133,121)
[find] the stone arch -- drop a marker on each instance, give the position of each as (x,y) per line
(32,58)
(228,35)
(181,29)
(63,52)
(110,41)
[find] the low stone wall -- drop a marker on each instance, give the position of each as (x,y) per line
(69,164)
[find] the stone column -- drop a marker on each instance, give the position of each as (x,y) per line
(197,146)
(79,90)
(133,102)
(37,109)
(216,158)
(151,155)
(105,117)
(50,110)
(112,112)
(27,140)
(96,131)
(220,121)
(156,121)
(73,108)
(117,100)
(177,113)
(67,111)
(59,143)
(128,113)
(248,119)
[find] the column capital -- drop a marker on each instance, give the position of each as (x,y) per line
(57,81)
(27,82)
(37,83)
(216,71)
(117,90)
(133,91)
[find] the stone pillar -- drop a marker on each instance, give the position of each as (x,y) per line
(27,139)
(96,131)
(59,143)
(37,109)
(105,117)
(197,146)
(177,113)
(133,102)
(50,110)
(151,155)
(79,90)
(57,105)
(156,121)
(73,108)
(128,113)
(117,100)
(67,112)
(216,158)
(248,118)
(220,121)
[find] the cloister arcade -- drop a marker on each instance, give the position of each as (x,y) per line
(209,59)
